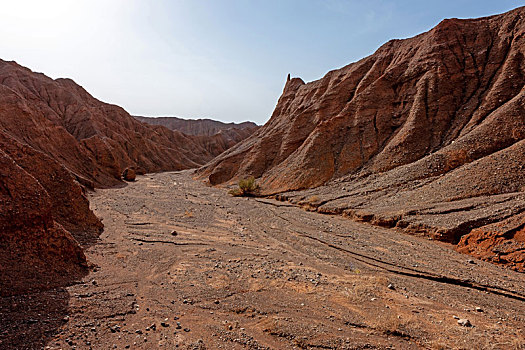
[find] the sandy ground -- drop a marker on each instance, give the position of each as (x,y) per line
(182,265)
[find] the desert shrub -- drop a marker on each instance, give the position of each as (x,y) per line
(247,187)
(310,203)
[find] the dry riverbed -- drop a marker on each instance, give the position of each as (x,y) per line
(182,265)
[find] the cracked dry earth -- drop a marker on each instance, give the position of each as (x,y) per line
(182,265)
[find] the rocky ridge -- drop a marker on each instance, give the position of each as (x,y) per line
(426,135)
(207,127)
(215,136)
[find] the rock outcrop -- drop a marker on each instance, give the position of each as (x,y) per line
(426,135)
(224,139)
(39,203)
(501,242)
(129,174)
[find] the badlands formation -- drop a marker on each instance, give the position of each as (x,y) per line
(427,135)
(359,174)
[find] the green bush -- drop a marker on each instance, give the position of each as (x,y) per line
(247,187)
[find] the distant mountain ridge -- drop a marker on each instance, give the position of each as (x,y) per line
(205,126)
(214,136)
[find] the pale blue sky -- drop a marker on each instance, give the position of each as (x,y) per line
(222,59)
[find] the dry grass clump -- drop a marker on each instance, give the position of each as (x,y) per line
(247,187)
(313,199)
(400,326)
(367,287)
(310,203)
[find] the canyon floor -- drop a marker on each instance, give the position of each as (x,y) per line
(183,265)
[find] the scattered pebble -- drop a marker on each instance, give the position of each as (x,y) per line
(464,322)
(115,329)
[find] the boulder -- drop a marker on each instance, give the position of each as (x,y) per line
(129,174)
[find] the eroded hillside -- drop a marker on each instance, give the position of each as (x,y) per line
(425,135)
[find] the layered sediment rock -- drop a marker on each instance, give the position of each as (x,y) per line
(36,250)
(96,141)
(426,135)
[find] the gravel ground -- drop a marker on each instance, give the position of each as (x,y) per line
(182,265)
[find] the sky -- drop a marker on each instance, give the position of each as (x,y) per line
(220,59)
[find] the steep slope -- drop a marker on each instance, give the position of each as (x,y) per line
(96,141)
(422,130)
(56,141)
(39,200)
(207,127)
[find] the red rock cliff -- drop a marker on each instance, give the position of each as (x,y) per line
(425,135)
(456,90)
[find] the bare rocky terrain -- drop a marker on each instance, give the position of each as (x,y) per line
(56,142)
(183,265)
(376,181)
(426,135)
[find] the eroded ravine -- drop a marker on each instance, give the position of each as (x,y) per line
(237,273)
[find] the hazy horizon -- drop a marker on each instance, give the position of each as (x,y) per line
(226,61)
